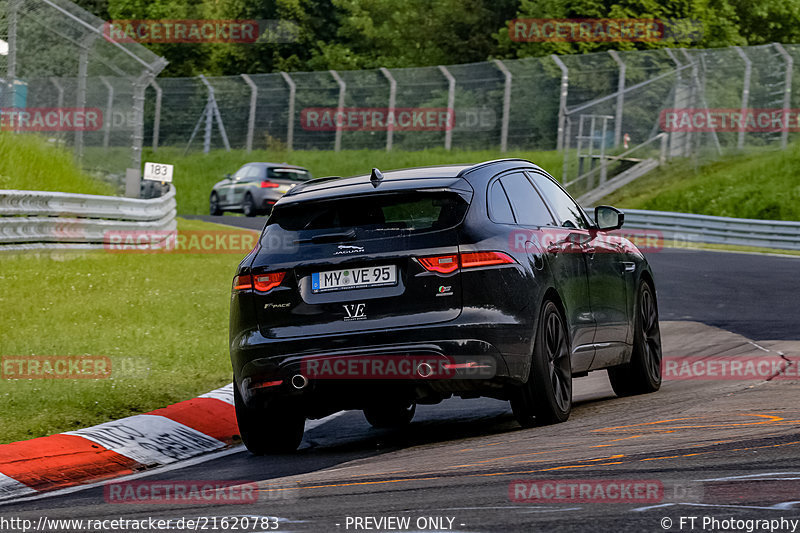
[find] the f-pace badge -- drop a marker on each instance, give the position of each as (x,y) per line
(355,312)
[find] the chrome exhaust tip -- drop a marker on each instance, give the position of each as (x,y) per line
(299,381)
(424,370)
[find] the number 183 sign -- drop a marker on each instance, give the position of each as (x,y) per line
(157,172)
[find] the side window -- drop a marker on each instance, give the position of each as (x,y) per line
(499,208)
(566,210)
(254,173)
(529,208)
(241,173)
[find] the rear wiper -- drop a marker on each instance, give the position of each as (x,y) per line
(330,237)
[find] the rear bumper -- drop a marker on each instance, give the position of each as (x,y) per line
(475,358)
(266,198)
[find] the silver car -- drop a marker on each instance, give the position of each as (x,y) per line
(255,188)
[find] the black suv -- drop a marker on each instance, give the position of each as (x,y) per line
(383,291)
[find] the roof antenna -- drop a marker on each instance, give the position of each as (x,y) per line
(376,177)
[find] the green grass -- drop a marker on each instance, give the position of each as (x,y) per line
(196,173)
(31,163)
(760,185)
(161,318)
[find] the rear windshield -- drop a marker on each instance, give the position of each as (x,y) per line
(293,174)
(406,212)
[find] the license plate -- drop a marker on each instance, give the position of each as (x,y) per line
(354,278)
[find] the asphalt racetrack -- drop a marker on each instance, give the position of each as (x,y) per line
(715,449)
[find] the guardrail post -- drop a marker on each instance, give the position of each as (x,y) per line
(339,109)
(108,112)
(748,68)
(451,102)
(156,114)
(392,101)
(787,91)
(506,104)
(562,100)
(620,96)
(290,122)
(251,119)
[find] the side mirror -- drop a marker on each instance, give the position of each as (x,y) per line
(227,177)
(608,218)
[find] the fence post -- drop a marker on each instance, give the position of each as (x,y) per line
(620,96)
(251,119)
(676,138)
(506,104)
(562,100)
(139,86)
(11,57)
(392,102)
(83,66)
(59,102)
(662,154)
(451,102)
(212,111)
(156,114)
(108,112)
(748,68)
(787,91)
(290,123)
(339,109)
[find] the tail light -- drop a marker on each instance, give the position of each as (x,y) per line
(445,264)
(242,283)
(479,259)
(259,282)
(267,282)
(269,184)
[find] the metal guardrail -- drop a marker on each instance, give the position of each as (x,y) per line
(778,234)
(32,220)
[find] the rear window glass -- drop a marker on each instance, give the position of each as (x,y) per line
(414,212)
(294,174)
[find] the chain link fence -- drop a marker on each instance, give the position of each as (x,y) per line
(59,76)
(605,111)
(577,103)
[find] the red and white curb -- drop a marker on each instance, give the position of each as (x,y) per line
(174,433)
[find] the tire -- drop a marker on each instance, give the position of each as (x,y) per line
(390,415)
(249,206)
(546,398)
(213,205)
(275,428)
(642,374)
